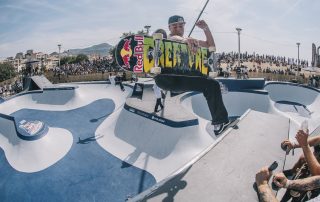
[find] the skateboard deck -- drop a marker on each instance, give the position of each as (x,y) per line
(136,53)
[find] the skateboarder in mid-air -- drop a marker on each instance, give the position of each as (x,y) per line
(177,66)
(211,89)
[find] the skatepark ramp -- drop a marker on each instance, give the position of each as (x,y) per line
(151,145)
(23,142)
(242,84)
(7,126)
(98,149)
(298,102)
(225,172)
(293,101)
(281,91)
(65,158)
(143,100)
(236,103)
(36,83)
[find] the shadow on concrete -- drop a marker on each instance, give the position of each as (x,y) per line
(89,139)
(130,159)
(171,187)
(97,119)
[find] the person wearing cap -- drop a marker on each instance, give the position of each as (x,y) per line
(176,25)
(213,95)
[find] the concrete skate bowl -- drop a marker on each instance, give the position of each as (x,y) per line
(295,101)
(236,103)
(66,163)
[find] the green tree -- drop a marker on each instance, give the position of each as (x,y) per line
(68,60)
(81,57)
(7,71)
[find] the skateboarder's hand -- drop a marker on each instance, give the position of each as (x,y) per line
(302,138)
(263,176)
(202,24)
(280,180)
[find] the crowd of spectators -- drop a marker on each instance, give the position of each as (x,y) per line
(232,58)
(10,88)
(314,81)
(261,64)
(86,67)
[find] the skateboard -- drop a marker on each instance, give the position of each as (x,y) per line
(170,63)
(141,53)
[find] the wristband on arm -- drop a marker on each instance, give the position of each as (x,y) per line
(295,144)
(287,184)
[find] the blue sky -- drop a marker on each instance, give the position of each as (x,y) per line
(269,26)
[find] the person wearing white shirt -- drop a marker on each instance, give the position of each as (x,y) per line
(112,79)
(211,88)
(157,93)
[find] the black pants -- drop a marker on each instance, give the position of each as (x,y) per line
(208,86)
(213,95)
(121,86)
(158,104)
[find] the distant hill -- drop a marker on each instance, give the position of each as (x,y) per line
(101,49)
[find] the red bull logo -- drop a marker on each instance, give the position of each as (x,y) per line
(138,53)
(126,53)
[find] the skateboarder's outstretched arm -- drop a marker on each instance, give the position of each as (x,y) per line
(209,38)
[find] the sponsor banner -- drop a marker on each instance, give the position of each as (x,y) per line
(158,119)
(138,53)
(162,120)
(131,53)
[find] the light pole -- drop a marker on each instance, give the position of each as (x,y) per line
(238,30)
(59,47)
(297,72)
(147,27)
(298,44)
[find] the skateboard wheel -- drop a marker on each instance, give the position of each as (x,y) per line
(157,36)
(150,55)
(205,62)
(210,61)
(212,49)
(213,74)
(155,70)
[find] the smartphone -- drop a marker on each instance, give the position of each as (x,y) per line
(273,166)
